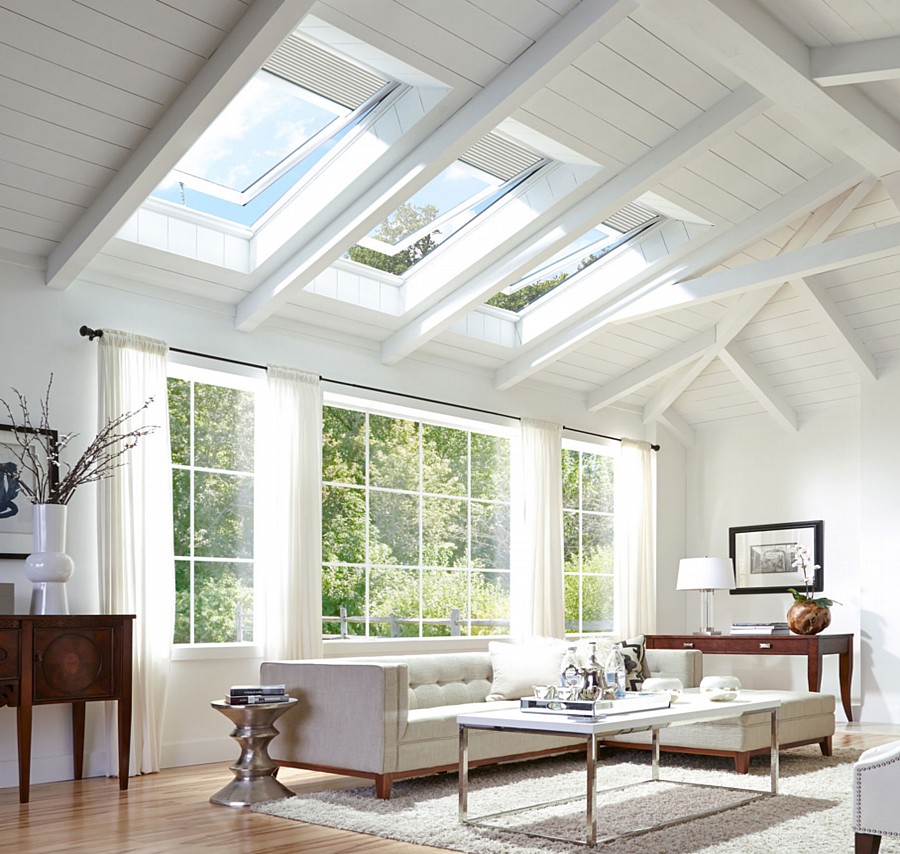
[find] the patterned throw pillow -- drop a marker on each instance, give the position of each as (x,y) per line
(635,663)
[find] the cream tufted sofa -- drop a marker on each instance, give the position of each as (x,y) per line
(392,717)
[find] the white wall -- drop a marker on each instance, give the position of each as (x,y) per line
(752,472)
(43,337)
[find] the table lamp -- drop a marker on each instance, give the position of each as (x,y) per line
(705,574)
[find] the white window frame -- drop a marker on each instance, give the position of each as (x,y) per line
(192,369)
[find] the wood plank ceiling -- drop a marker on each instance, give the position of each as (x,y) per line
(766,131)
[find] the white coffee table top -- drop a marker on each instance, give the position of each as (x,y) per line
(689,709)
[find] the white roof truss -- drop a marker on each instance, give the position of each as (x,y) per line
(815,230)
(656,285)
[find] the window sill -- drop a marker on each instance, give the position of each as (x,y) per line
(215,651)
(361,647)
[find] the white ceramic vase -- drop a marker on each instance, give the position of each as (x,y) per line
(49,568)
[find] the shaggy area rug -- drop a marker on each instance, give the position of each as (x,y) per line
(811,813)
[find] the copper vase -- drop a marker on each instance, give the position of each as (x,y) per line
(807,618)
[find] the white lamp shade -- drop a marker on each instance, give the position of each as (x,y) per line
(705,573)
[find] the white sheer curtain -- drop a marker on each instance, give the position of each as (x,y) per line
(288,500)
(635,540)
(135,552)
(538,608)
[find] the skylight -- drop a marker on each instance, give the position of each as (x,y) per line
(618,230)
(470,185)
(280,125)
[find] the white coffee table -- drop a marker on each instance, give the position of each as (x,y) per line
(690,709)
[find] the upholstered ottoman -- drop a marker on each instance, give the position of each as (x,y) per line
(804,718)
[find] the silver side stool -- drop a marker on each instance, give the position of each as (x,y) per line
(876,776)
(254,772)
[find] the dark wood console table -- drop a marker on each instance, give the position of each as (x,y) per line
(66,659)
(814,647)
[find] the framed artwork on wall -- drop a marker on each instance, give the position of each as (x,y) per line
(763,556)
(15,507)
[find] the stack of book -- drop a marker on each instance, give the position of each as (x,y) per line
(253,695)
(760,629)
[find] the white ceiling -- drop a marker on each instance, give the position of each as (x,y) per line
(777,122)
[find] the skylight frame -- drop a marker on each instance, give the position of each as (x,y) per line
(612,246)
(499,191)
(323,136)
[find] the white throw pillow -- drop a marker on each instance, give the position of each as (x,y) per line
(518,667)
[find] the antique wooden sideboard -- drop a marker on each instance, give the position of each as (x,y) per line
(66,659)
(813,647)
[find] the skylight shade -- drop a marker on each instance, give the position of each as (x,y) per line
(499,157)
(629,217)
(322,72)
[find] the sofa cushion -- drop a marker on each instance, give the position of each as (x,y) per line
(518,667)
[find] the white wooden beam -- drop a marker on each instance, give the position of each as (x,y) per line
(604,196)
(240,55)
(754,45)
(659,278)
(856,62)
(845,336)
(678,427)
(726,331)
(651,370)
(571,36)
(772,400)
(833,255)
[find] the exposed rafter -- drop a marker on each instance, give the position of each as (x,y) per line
(566,40)
(859,62)
(833,255)
(659,278)
(752,43)
(261,29)
(752,377)
(603,196)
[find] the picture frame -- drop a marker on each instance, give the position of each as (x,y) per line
(763,556)
(15,508)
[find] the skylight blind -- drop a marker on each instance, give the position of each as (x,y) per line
(500,157)
(322,72)
(629,217)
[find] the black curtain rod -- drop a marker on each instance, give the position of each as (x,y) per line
(91,334)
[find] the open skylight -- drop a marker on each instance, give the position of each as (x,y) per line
(618,230)
(281,124)
(484,174)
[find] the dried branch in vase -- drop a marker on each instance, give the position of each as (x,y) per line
(42,476)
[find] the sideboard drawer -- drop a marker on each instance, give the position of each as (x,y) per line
(9,653)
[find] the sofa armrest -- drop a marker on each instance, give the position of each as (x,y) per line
(683,664)
(350,714)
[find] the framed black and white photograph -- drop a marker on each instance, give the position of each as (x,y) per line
(764,556)
(15,507)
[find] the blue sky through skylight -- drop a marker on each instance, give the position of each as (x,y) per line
(266,122)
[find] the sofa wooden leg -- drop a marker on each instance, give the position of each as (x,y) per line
(383,786)
(867,843)
(742,763)
(825,744)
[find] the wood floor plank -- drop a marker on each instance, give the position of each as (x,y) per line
(170,811)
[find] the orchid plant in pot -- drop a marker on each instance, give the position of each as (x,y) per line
(40,475)
(807,615)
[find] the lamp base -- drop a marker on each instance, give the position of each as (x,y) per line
(708,632)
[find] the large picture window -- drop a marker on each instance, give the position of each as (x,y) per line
(212,430)
(415,527)
(588,479)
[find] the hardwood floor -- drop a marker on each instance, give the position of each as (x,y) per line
(170,811)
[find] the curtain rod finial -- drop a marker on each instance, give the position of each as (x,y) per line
(90,334)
